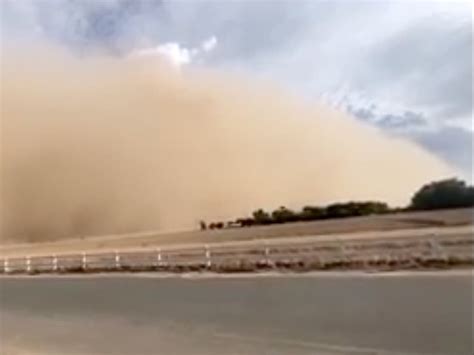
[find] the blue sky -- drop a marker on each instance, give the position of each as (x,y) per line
(403,66)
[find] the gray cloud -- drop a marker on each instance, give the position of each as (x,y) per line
(111,25)
(454,144)
(407,119)
(401,56)
(427,65)
(392,121)
(365,114)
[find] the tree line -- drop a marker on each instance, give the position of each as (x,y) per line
(443,194)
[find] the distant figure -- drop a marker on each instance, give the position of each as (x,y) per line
(203,225)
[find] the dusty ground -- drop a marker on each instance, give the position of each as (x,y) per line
(412,220)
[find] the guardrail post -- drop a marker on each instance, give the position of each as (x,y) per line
(208,256)
(84,261)
(117,260)
(28,264)
(6,266)
(55,262)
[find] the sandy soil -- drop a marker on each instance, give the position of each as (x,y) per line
(412,220)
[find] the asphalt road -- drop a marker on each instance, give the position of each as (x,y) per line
(324,314)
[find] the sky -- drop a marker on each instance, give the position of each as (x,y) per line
(404,66)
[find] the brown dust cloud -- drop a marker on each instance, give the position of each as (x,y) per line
(99,145)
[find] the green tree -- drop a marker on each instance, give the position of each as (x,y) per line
(338,210)
(449,193)
(283,214)
(353,209)
(311,213)
(261,217)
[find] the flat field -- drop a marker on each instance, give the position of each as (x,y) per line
(325,228)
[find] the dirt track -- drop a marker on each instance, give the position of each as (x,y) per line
(412,220)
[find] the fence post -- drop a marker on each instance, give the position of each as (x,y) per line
(437,250)
(158,257)
(343,251)
(117,260)
(322,261)
(84,261)
(28,264)
(6,266)
(266,252)
(55,262)
(208,256)
(375,259)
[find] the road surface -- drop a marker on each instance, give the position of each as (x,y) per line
(328,314)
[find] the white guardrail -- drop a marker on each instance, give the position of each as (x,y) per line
(249,256)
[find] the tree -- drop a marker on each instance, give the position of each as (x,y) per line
(203,225)
(309,213)
(449,193)
(261,217)
(353,209)
(338,210)
(283,214)
(368,207)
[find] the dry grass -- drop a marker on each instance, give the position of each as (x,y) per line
(295,265)
(445,218)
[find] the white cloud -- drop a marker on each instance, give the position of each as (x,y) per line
(171,51)
(209,44)
(176,54)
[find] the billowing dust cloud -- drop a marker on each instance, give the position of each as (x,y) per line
(106,145)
